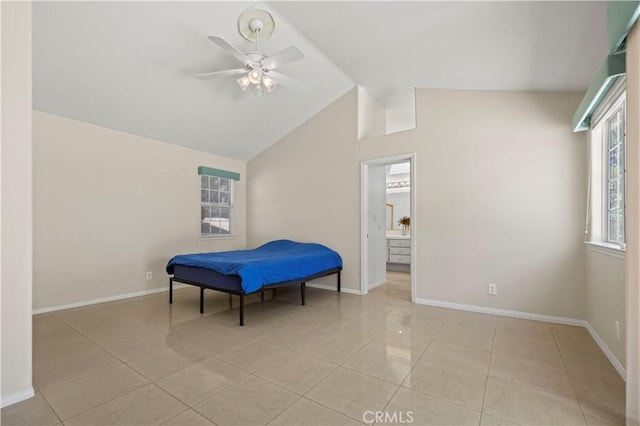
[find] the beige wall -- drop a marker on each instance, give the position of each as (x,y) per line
(16,201)
(306,187)
(500,181)
(633,228)
(110,206)
(605,301)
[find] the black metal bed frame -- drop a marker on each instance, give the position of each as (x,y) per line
(300,281)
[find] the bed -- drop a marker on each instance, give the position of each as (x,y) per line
(280,263)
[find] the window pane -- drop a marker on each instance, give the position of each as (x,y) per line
(620,192)
(214,182)
(205,228)
(204,196)
(204,213)
(613,130)
(614,194)
(620,228)
(224,184)
(613,225)
(225,198)
(225,220)
(614,163)
(215,212)
(204,181)
(214,198)
(616,226)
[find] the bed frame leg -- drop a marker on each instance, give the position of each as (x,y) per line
(338,281)
(230,301)
(242,309)
(170,289)
(202,300)
(262,296)
(302,288)
(274,292)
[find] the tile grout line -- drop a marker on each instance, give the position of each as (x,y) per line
(106,401)
(573,388)
(486,383)
(46,401)
(133,369)
(181,413)
(414,365)
(442,365)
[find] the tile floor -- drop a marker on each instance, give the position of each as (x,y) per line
(341,357)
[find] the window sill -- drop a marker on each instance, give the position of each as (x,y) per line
(218,237)
(607,249)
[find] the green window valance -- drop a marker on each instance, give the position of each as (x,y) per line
(210,171)
(621,16)
(613,67)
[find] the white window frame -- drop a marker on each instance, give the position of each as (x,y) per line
(620,105)
(598,215)
(207,204)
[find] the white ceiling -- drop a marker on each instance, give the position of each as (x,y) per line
(517,45)
(130,66)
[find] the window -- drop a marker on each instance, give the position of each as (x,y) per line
(615,160)
(606,214)
(215,205)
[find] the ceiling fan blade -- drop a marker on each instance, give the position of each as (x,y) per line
(289,82)
(223,73)
(230,49)
(290,54)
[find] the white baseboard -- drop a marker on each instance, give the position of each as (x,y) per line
(502,312)
(334,288)
(612,358)
(157,290)
(536,317)
(108,299)
(376,284)
(17,397)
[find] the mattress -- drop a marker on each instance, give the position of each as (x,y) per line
(274,262)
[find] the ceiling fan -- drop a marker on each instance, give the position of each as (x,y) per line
(257,68)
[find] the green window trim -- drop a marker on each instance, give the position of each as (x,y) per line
(613,67)
(210,171)
(621,15)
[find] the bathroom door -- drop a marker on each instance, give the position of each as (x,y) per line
(376,225)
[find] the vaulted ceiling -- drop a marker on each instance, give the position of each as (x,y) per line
(131,66)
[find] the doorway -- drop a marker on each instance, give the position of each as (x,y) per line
(388,225)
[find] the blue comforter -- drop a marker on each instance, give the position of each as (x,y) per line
(273,262)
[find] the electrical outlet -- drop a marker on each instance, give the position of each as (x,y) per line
(492,289)
(149,276)
(617,328)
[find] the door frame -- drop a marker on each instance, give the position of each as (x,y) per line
(364,210)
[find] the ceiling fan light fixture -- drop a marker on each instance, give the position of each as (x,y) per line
(255,76)
(244,82)
(269,84)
